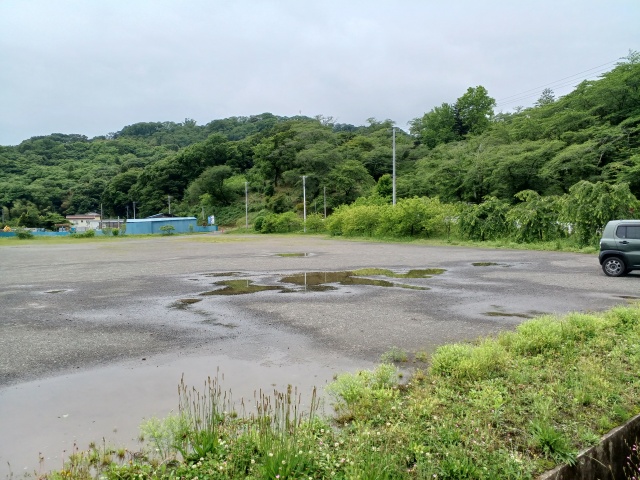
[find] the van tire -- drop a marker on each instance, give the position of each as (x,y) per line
(614,267)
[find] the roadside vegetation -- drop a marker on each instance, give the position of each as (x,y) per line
(527,165)
(570,221)
(509,407)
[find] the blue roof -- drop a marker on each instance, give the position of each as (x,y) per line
(165,219)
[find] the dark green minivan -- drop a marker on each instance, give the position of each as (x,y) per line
(620,247)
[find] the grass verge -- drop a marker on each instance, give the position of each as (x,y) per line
(509,407)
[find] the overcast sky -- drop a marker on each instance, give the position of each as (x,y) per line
(94,66)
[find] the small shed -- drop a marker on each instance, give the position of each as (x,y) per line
(147,226)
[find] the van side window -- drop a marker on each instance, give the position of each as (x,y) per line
(621,232)
(633,232)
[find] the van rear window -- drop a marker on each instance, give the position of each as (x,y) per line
(628,231)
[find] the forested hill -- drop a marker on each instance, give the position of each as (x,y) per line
(458,151)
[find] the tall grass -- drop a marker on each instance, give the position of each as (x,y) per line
(507,407)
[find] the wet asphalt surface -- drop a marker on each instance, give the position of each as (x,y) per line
(66,307)
(95,335)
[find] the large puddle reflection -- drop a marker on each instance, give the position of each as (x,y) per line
(322,281)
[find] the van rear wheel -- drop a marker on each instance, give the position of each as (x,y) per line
(614,267)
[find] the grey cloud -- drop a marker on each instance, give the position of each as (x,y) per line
(94,67)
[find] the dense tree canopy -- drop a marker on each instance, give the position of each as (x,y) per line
(455,152)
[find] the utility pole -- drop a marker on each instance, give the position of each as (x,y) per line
(246,205)
(325,203)
(394,166)
(101,216)
(169,200)
(304,202)
(134,210)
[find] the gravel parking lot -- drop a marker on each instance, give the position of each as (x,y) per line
(105,328)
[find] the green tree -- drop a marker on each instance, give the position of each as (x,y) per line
(471,114)
(546,98)
(211,182)
(118,192)
(486,221)
(474,111)
(384,187)
(589,206)
(347,182)
(215,150)
(437,126)
(535,218)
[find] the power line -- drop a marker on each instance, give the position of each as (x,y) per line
(528,93)
(560,80)
(556,88)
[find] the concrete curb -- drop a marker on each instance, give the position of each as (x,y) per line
(605,461)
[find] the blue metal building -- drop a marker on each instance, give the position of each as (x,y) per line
(143,226)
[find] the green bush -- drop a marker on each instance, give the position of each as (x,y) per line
(315,223)
(486,221)
(394,354)
(87,234)
(24,234)
(535,218)
(482,411)
(364,390)
(167,229)
(470,362)
(281,223)
(589,206)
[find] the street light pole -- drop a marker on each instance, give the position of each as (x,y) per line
(304,202)
(325,203)
(134,210)
(169,199)
(394,165)
(246,205)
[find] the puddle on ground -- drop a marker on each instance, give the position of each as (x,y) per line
(294,254)
(504,314)
(311,279)
(528,314)
(239,287)
(88,406)
(56,291)
(321,281)
(214,322)
(490,264)
(317,281)
(630,299)
(184,302)
(416,273)
(223,274)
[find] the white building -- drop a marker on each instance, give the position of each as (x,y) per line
(82,223)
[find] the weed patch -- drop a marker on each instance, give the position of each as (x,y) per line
(510,407)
